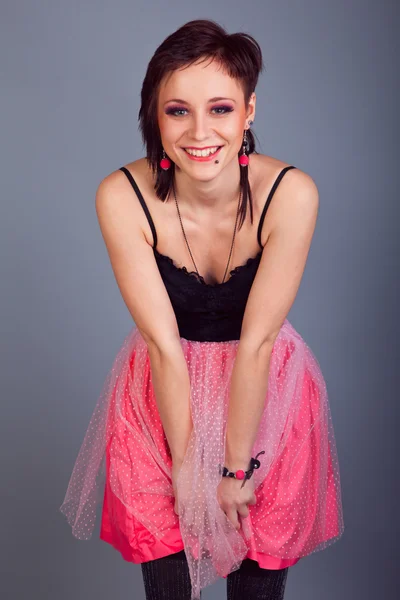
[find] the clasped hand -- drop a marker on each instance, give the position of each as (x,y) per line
(232,498)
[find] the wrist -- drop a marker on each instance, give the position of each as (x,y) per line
(237,465)
(234,464)
(235,461)
(241,475)
(178,457)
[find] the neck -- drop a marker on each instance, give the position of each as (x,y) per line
(214,194)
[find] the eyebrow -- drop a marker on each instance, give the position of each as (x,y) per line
(215,99)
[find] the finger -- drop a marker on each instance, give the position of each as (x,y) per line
(232,515)
(176,509)
(243,511)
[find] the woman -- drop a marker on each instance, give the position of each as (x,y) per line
(214,425)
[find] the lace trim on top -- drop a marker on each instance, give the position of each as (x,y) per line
(199,277)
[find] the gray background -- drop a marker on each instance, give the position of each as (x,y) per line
(71,74)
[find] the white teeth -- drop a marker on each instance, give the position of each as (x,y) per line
(206,152)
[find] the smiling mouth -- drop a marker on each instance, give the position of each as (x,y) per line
(202,153)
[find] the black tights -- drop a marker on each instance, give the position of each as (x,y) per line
(168,578)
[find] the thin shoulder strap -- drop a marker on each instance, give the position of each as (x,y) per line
(267,203)
(142,202)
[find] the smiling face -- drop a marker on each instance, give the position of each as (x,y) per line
(202,117)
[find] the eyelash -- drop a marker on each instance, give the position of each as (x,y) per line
(173,110)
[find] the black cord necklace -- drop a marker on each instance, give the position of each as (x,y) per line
(187,243)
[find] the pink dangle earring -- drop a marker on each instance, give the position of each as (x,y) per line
(243,158)
(165,163)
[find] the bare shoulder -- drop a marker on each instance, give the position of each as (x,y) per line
(115,182)
(267,169)
(116,198)
(298,195)
(295,198)
(296,186)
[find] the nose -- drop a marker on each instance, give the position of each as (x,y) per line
(199,127)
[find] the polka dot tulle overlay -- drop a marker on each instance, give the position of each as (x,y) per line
(298,510)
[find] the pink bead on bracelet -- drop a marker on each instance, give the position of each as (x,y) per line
(240,474)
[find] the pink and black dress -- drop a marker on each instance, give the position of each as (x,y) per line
(125,461)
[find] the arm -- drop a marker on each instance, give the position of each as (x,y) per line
(274,289)
(122,223)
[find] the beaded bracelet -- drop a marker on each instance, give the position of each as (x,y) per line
(240,474)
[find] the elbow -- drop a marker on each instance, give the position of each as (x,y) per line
(160,338)
(256,345)
(163,345)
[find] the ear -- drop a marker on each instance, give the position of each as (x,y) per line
(251,111)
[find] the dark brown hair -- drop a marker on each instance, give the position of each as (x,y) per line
(196,41)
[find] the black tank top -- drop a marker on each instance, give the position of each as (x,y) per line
(204,311)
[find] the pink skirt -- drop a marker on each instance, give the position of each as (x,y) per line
(125,462)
